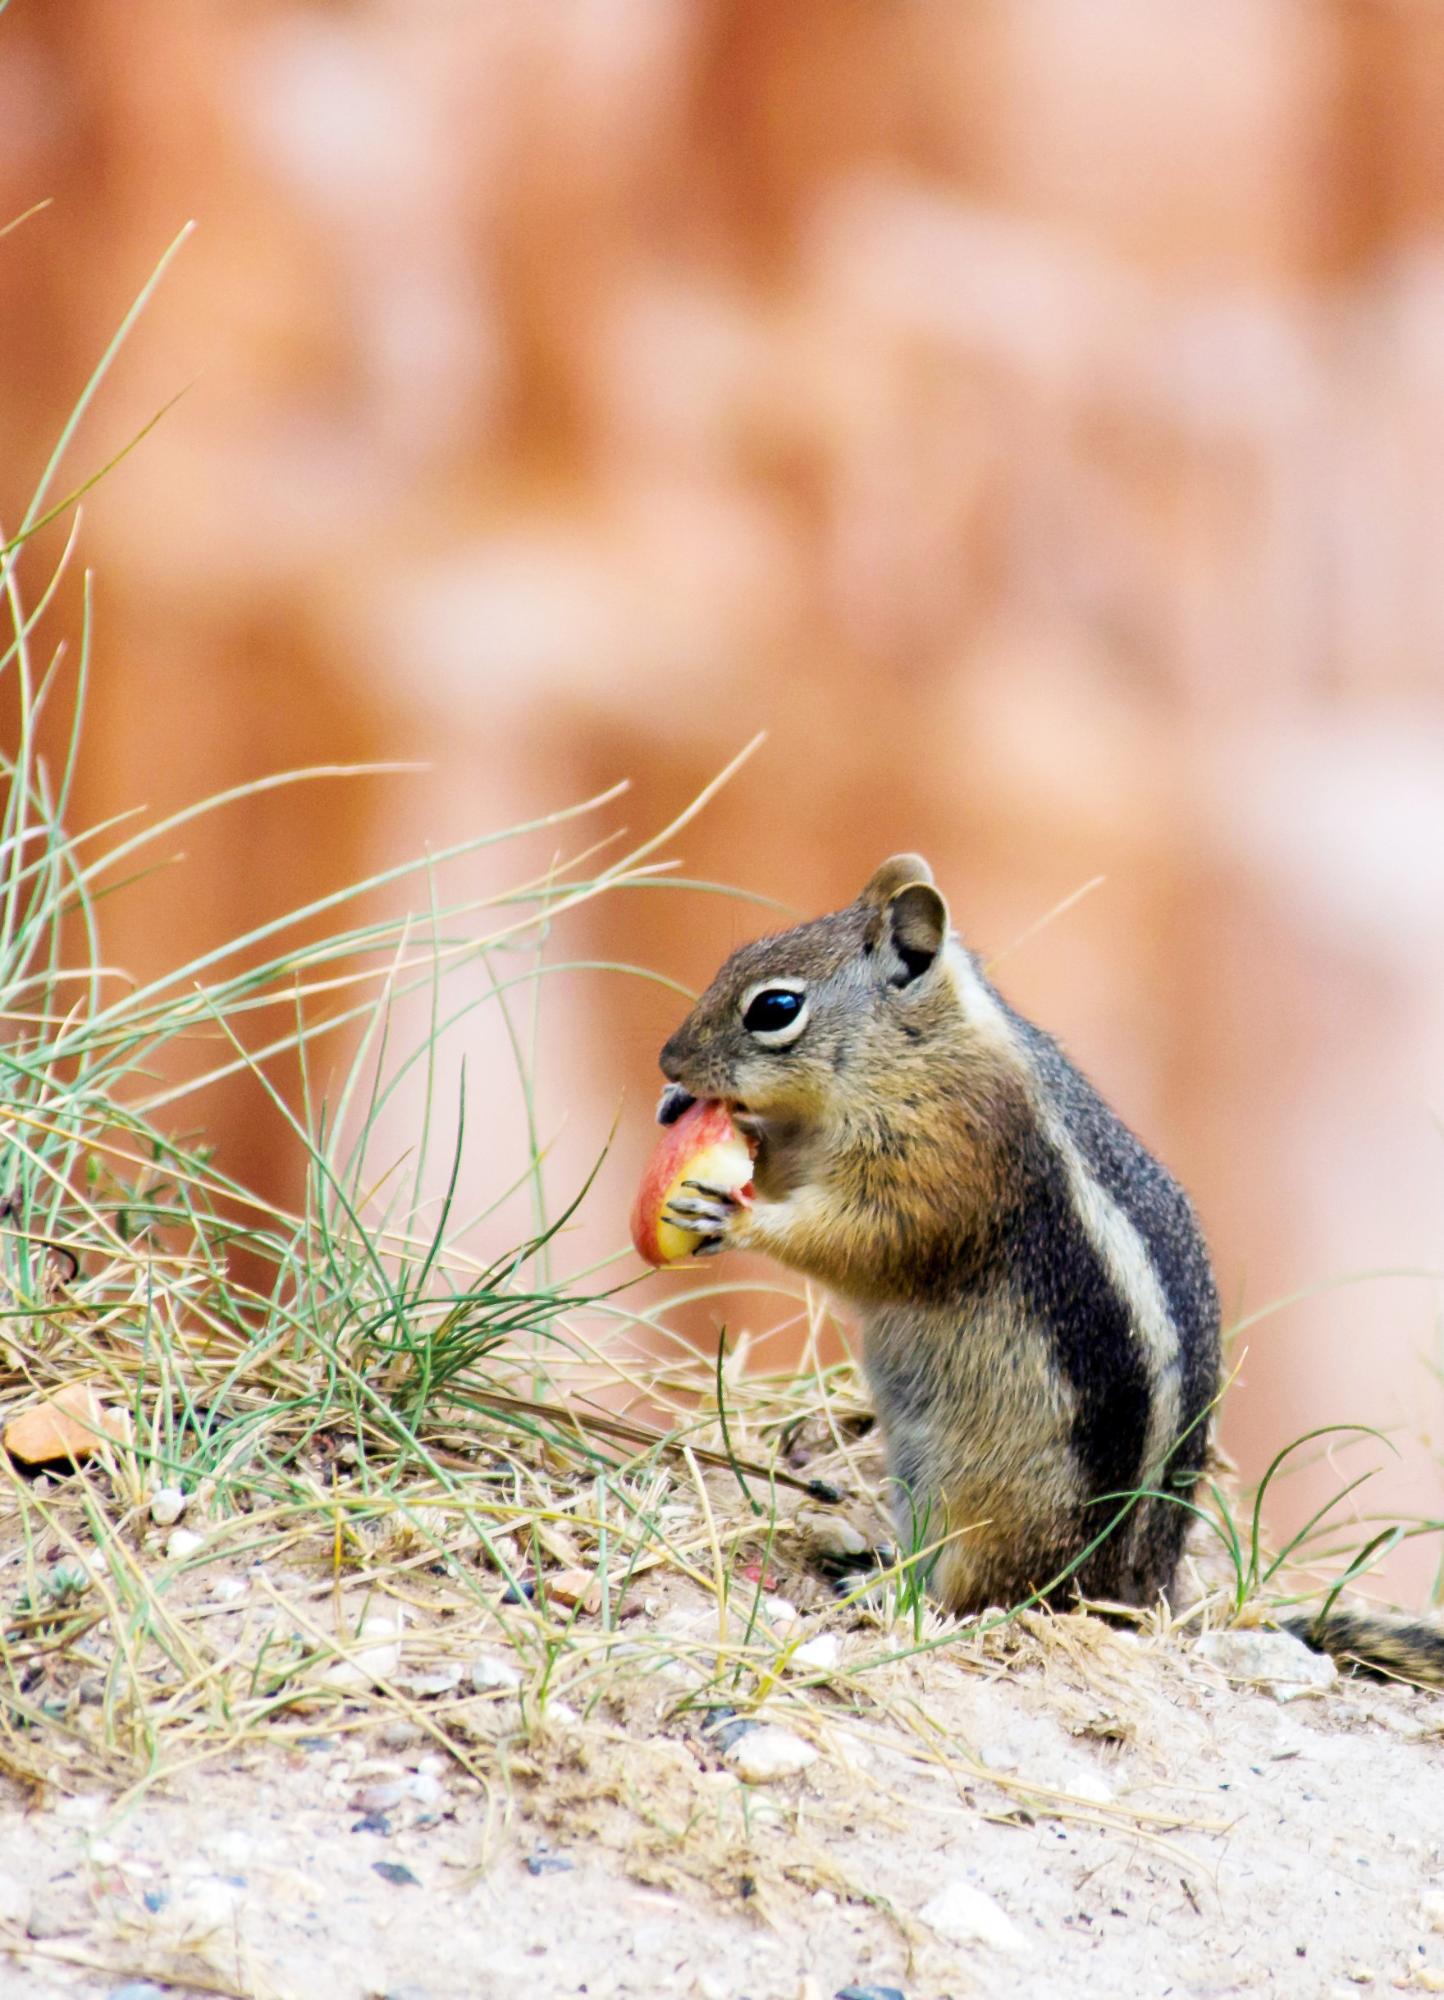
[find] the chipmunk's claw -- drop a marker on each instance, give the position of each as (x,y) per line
(709,1211)
(724,1197)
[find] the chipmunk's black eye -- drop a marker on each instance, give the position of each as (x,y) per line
(774,1009)
(775,1015)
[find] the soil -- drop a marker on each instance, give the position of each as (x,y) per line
(1137,1825)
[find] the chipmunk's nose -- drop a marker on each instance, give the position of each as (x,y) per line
(673,1058)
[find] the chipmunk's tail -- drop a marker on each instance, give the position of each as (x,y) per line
(1397,1647)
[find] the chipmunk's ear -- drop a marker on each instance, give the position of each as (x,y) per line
(909,924)
(894,875)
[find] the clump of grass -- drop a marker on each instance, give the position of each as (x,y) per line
(347,1397)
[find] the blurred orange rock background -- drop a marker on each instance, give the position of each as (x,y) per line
(1031,414)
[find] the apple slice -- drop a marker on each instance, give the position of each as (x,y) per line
(701,1145)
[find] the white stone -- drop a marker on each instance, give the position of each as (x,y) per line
(380,1798)
(226,1589)
(1078,1781)
(967,1915)
(374,1655)
(204,1906)
(761,1755)
(1273,1660)
(780,1611)
(999,1757)
(82,1806)
(182,1542)
(167,1504)
(14,1902)
(487,1671)
(819,1655)
(419,1682)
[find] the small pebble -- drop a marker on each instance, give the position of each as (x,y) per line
(167,1504)
(399,1734)
(967,1915)
(50,1918)
(870,1993)
(375,1654)
(424,1683)
(397,1873)
(14,1901)
(379,1798)
(373,1822)
(723,1727)
(998,1757)
(824,1899)
(137,1989)
(820,1654)
(182,1542)
(547,1864)
(765,1753)
(575,1588)
(780,1611)
(208,1904)
(1277,1661)
(486,1672)
(226,1589)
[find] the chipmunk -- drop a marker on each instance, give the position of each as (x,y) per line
(1039,1318)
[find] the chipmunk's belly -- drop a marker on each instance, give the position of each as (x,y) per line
(977,1421)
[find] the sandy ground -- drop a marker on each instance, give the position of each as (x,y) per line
(1135,1824)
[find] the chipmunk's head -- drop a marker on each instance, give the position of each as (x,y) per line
(787,1018)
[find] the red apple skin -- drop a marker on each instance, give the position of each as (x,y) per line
(702,1145)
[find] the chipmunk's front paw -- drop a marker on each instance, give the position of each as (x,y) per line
(715,1215)
(860,1577)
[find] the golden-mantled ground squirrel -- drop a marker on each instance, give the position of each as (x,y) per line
(1040,1325)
